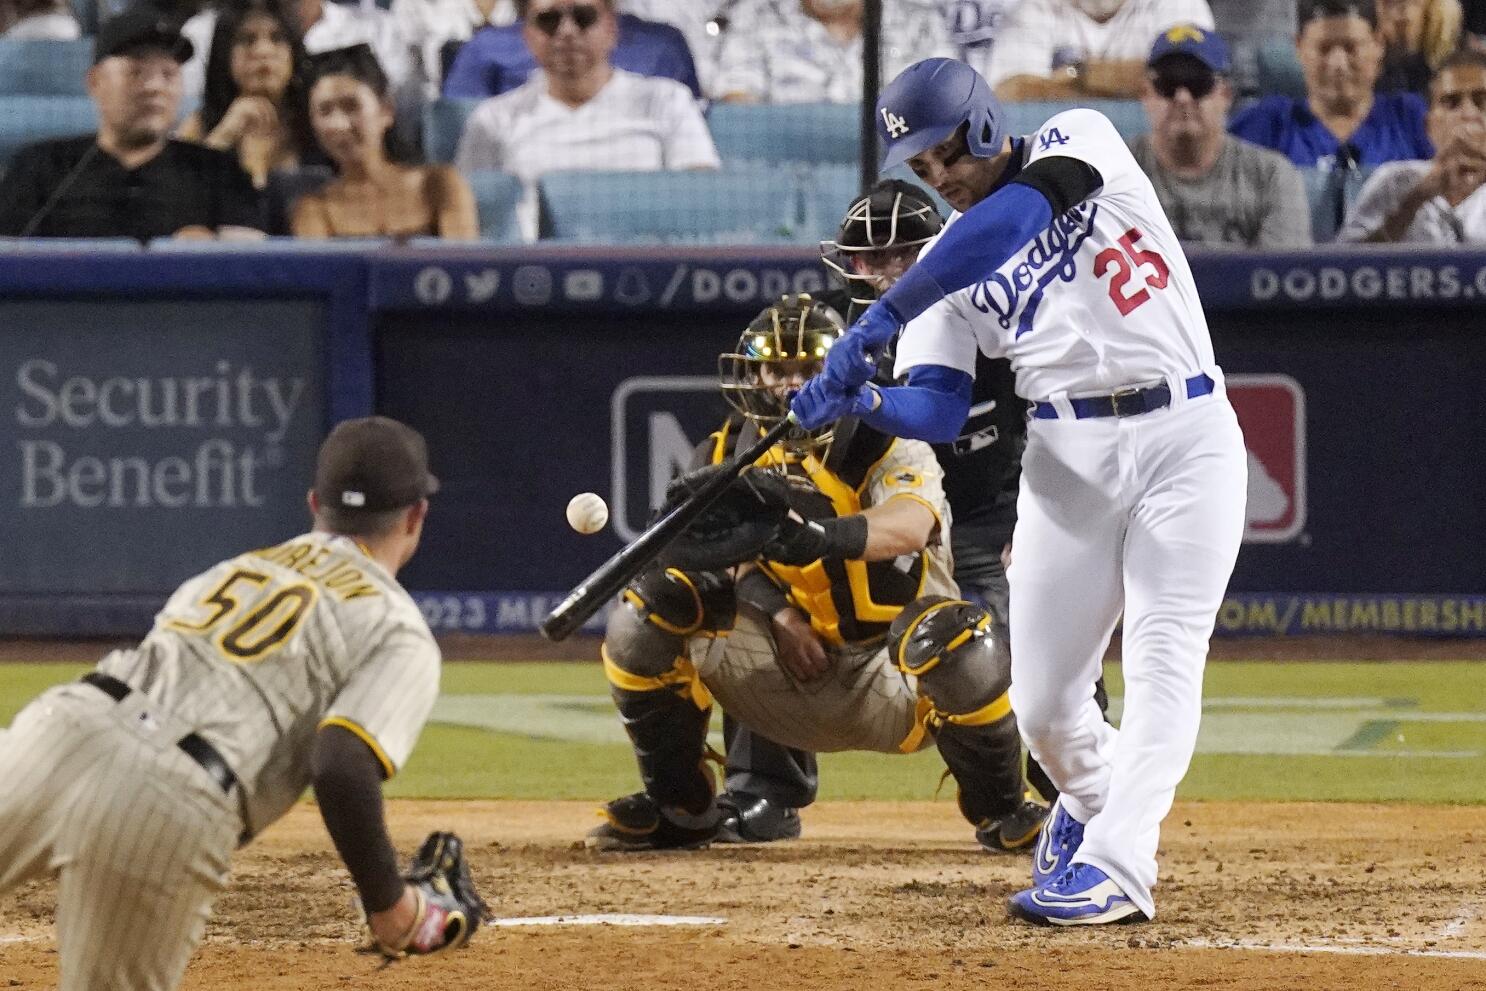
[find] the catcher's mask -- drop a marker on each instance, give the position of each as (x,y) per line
(880,236)
(780,350)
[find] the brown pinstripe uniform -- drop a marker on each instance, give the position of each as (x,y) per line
(865,702)
(250,658)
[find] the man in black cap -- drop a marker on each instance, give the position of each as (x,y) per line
(303,664)
(130,179)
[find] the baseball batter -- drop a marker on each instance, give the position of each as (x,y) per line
(815,603)
(300,664)
(1133,479)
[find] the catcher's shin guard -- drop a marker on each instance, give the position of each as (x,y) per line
(964,673)
(662,702)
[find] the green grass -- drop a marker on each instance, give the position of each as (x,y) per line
(1332,731)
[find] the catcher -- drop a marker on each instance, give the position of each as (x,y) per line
(301,664)
(815,603)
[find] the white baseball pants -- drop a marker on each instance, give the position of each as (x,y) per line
(1142,514)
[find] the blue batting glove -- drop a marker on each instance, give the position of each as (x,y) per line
(851,362)
(877,326)
(818,404)
(848,365)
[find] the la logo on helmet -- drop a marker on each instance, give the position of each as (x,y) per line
(896,126)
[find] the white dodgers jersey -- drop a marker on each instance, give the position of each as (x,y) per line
(1100,300)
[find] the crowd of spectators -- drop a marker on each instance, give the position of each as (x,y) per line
(1253,108)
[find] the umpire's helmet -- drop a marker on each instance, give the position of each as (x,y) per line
(780,348)
(928,102)
(894,216)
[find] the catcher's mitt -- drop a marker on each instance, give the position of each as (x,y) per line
(733,529)
(449,908)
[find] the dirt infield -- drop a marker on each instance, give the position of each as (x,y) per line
(1253,896)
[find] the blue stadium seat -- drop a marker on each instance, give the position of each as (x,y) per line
(496,196)
(787,132)
(24,119)
(828,190)
(443,123)
(1279,69)
(731,206)
(1128,116)
(45,68)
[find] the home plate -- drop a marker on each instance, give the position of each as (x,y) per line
(612,919)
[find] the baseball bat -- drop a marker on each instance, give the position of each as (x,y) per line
(611,576)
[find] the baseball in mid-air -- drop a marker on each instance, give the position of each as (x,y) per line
(587,512)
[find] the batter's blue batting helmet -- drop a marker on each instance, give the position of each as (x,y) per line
(926,104)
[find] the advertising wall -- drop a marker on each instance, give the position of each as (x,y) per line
(539,375)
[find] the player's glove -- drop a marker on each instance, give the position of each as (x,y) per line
(449,909)
(733,529)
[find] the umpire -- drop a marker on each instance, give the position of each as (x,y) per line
(879,238)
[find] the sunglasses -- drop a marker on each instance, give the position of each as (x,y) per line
(1197,80)
(584,17)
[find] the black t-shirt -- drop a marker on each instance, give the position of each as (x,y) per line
(185,185)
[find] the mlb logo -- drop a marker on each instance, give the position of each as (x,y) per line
(1271,411)
(655,425)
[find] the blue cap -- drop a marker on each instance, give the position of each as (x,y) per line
(1201,44)
(928,102)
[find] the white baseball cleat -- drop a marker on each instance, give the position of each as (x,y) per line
(1083,895)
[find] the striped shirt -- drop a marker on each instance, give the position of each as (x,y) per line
(260,651)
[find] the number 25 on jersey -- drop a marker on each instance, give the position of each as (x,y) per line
(1126,261)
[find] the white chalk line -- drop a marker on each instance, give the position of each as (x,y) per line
(17,939)
(1354,951)
(610,919)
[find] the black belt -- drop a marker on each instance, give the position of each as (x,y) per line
(1126,402)
(192,745)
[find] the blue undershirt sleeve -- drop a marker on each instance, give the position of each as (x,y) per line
(976,245)
(933,406)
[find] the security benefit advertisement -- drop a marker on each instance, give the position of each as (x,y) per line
(145,440)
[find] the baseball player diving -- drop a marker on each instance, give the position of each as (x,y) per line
(295,665)
(1060,259)
(814,602)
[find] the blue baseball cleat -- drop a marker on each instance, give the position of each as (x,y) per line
(1083,895)
(1061,837)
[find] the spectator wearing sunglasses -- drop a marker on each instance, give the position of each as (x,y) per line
(581,113)
(1341,122)
(1214,188)
(498,60)
(1440,201)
